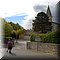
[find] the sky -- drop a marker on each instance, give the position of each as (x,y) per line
(24,11)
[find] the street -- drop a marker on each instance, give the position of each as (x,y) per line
(20,50)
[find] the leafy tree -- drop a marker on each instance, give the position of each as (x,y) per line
(11,29)
(17,33)
(2,22)
(13,34)
(18,30)
(20,33)
(15,26)
(41,23)
(18,26)
(8,29)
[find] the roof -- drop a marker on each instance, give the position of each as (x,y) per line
(48,11)
(56,23)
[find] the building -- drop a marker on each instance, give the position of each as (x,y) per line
(50,18)
(55,25)
(49,14)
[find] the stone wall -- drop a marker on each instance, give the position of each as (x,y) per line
(43,47)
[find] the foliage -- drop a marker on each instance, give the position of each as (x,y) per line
(7,29)
(41,23)
(20,33)
(51,37)
(17,30)
(2,20)
(33,35)
(6,39)
(32,38)
(12,30)
(13,34)
(15,26)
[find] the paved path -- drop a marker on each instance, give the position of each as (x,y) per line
(20,50)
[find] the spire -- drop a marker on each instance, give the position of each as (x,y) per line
(49,12)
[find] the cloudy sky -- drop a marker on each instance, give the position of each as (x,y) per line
(24,11)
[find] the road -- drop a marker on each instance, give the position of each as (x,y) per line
(20,51)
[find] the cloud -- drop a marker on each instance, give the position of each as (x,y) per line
(10,8)
(39,8)
(28,24)
(16,18)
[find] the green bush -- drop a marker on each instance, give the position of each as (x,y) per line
(33,36)
(51,37)
(7,35)
(7,38)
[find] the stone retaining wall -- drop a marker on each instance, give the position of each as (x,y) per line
(43,47)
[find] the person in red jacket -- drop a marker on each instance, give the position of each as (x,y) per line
(9,45)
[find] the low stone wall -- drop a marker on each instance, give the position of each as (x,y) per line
(43,47)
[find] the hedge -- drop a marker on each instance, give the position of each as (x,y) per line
(32,38)
(6,39)
(51,37)
(7,35)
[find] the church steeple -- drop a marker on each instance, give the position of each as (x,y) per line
(49,14)
(49,11)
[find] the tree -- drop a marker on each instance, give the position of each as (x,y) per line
(18,30)
(18,26)
(15,26)
(20,33)
(41,23)
(13,34)
(2,24)
(8,29)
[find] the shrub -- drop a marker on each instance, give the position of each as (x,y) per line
(33,36)
(51,37)
(7,35)
(7,38)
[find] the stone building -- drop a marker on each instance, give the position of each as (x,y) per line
(55,25)
(50,18)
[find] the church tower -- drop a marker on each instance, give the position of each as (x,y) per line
(50,18)
(49,14)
